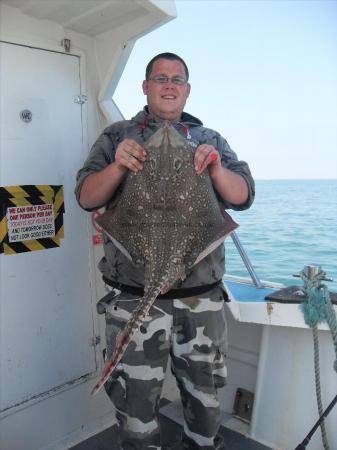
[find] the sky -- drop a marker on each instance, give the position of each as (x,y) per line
(263,74)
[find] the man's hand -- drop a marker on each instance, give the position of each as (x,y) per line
(206,156)
(99,187)
(129,155)
(231,186)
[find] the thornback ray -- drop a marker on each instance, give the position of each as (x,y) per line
(168,219)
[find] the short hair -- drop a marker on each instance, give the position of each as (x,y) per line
(170,57)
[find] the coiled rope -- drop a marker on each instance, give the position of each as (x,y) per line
(318,308)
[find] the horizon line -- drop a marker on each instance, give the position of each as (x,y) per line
(295,179)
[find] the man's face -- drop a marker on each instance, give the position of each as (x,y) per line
(166,100)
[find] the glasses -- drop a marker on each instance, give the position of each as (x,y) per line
(163,79)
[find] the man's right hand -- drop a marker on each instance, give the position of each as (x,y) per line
(99,187)
(130,155)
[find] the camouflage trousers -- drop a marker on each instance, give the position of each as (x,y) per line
(193,332)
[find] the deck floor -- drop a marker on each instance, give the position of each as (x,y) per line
(107,439)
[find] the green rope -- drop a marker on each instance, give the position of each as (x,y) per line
(318,386)
(318,308)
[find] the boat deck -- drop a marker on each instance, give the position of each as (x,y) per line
(248,292)
(171,432)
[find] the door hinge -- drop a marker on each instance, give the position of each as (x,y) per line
(80,99)
(95,341)
(66,44)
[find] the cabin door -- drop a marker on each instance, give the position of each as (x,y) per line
(47,330)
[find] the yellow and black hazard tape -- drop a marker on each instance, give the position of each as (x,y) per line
(31,197)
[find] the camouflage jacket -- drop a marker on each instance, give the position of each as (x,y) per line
(114,265)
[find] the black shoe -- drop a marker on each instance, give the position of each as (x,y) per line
(219,443)
(176,445)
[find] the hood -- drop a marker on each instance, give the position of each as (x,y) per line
(144,117)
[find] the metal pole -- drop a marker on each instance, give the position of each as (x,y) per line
(246,260)
(305,442)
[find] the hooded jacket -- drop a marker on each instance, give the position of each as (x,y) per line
(114,265)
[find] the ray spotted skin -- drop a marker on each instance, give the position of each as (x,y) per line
(168,219)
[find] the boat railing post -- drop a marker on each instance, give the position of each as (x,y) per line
(246,260)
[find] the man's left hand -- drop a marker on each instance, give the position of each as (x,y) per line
(206,156)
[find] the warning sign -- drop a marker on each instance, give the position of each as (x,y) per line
(31,218)
(29,222)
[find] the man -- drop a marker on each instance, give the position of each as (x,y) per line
(191,327)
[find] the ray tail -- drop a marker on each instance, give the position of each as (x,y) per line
(125,336)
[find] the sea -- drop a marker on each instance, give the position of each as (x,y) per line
(291,224)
